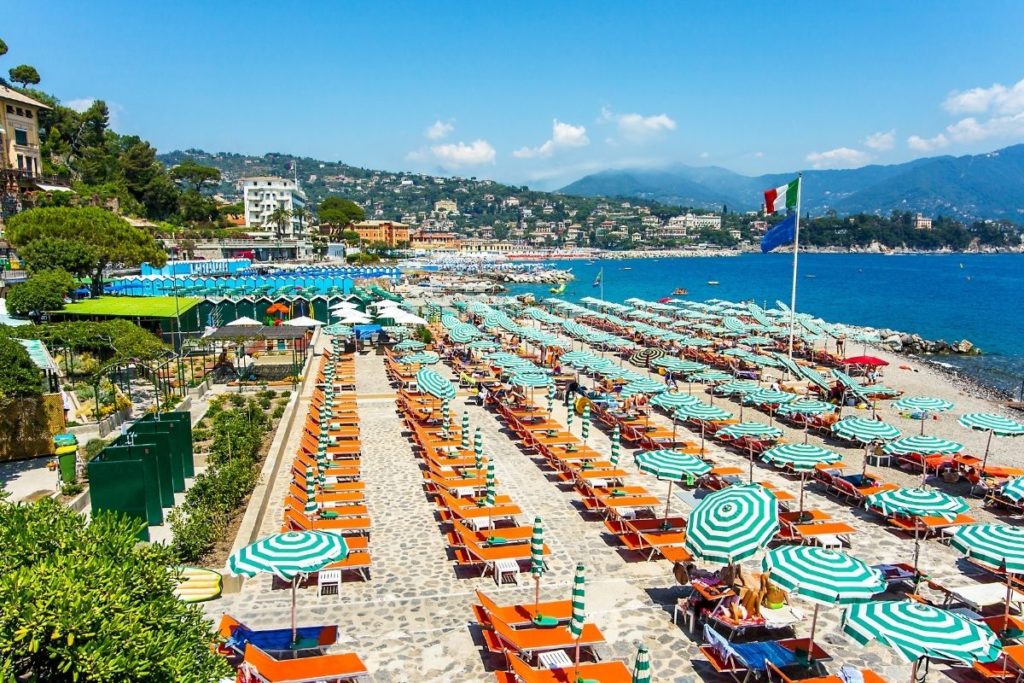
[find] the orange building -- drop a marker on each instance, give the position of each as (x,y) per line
(391,233)
(421,239)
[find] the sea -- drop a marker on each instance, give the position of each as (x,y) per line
(979,297)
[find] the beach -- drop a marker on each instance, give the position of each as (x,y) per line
(412,619)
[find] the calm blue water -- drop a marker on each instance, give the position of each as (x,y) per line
(952,297)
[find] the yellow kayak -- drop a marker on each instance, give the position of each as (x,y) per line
(196,584)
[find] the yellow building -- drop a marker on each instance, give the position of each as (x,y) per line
(391,233)
(19,132)
(421,239)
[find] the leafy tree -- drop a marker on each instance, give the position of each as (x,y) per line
(3,48)
(301,214)
(84,601)
(19,376)
(24,74)
(280,218)
(196,207)
(51,253)
(42,292)
(146,179)
(112,240)
(339,212)
(350,237)
(195,175)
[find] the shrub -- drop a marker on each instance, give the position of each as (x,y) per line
(93,448)
(237,400)
(278,412)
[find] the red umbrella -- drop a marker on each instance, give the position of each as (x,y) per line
(865,360)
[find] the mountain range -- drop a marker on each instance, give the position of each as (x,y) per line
(980,186)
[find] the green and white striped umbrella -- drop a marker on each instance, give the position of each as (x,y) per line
(531,380)
(573,357)
(288,554)
(750,429)
(739,386)
(801,457)
(915,630)
(993,424)
(730,525)
(465,429)
(579,614)
(823,576)
(923,445)
(864,430)
(711,376)
(489,492)
(671,465)
(410,345)
(670,400)
(537,567)
(434,384)
(642,666)
(806,406)
(769,397)
(996,545)
(925,404)
(482,345)
(585,428)
(1013,489)
(917,502)
(478,449)
(311,507)
(446,416)
(642,386)
(990,422)
(420,358)
(703,412)
(569,417)
(551,399)
(616,438)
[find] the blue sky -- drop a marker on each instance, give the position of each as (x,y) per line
(542,92)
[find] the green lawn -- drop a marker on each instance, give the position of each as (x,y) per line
(132,306)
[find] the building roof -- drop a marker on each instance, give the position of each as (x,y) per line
(39,354)
(377,224)
(132,306)
(15,96)
(257,332)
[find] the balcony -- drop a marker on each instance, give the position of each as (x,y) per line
(26,179)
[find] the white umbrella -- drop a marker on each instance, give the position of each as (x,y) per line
(404,318)
(344,305)
(352,317)
(243,321)
(303,321)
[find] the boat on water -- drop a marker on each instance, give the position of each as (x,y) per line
(810,275)
(680,291)
(559,289)
(626,268)
(713,282)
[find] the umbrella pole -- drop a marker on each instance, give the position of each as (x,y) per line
(1006,607)
(576,671)
(669,502)
(536,595)
(814,627)
(702,437)
(925,417)
(800,516)
(913,670)
(984,460)
(295,630)
(750,457)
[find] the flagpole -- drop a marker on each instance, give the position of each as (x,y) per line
(796,249)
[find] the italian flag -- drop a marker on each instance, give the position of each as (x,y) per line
(781,197)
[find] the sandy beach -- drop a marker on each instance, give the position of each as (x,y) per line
(412,621)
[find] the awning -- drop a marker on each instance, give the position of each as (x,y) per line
(53,188)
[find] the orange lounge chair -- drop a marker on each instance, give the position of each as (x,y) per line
(296,520)
(472,554)
(605,672)
(529,641)
(515,534)
(518,616)
(338,668)
(326,496)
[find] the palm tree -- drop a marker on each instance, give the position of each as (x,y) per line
(280,217)
(301,213)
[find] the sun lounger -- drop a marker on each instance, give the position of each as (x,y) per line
(296,520)
(521,615)
(604,672)
(777,675)
(531,640)
(336,668)
(741,660)
(237,636)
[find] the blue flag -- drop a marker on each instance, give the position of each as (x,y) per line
(597,280)
(783,233)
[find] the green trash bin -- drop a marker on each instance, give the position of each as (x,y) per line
(66,464)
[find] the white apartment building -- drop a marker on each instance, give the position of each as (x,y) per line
(263,195)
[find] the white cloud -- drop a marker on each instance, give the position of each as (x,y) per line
(456,154)
(998,98)
(920,144)
(840,157)
(637,127)
(704,155)
(881,141)
(439,130)
(563,136)
(80,104)
(997,113)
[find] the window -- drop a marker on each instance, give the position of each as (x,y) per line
(28,113)
(20,136)
(21,162)
(10,109)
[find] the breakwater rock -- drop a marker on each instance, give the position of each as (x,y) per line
(915,344)
(535,277)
